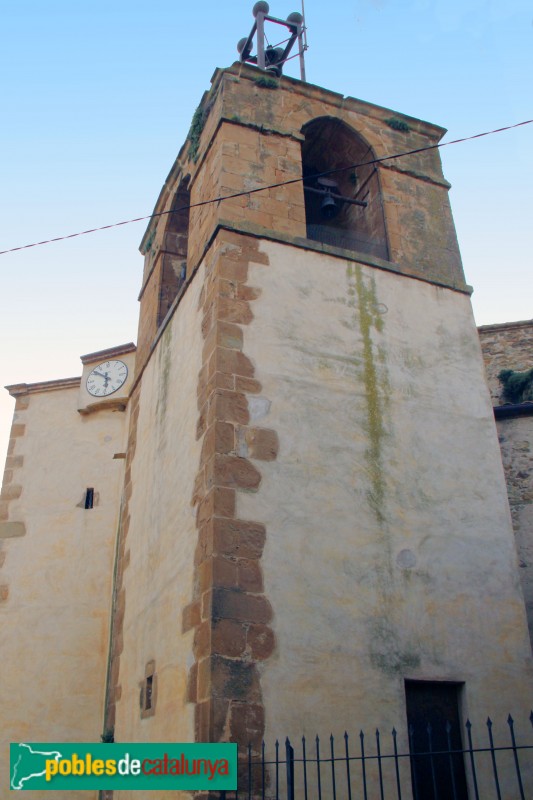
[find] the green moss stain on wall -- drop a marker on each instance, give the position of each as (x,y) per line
(165,358)
(375,383)
(388,651)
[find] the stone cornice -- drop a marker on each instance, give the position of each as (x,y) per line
(505,326)
(19,389)
(111,352)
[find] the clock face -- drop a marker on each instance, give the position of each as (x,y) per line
(107,378)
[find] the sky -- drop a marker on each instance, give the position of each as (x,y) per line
(97,99)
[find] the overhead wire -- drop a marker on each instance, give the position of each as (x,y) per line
(221,198)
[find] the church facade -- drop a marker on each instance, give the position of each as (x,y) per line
(291,514)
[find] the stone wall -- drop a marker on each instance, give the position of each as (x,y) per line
(505,346)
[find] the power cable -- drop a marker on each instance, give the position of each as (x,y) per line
(270,186)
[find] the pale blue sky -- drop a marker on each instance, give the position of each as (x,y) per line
(97,100)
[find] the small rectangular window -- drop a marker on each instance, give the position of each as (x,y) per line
(89,498)
(148,692)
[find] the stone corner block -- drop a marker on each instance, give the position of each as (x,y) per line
(10,530)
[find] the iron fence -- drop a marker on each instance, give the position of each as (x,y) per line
(490,764)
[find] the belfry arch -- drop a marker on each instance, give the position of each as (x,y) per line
(174,250)
(343,208)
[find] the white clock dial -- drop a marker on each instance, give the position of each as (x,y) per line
(107,378)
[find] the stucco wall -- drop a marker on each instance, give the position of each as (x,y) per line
(162,535)
(54,617)
(510,346)
(516,442)
(389,552)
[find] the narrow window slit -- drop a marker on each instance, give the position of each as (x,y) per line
(148,693)
(89,498)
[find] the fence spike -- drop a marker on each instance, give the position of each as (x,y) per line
(319,777)
(396,764)
(493,759)
(468,726)
(277,769)
(289,758)
(363,765)
(263,776)
(305,767)
(431,762)
(411,731)
(249,771)
(448,727)
(347,757)
(378,747)
(333,781)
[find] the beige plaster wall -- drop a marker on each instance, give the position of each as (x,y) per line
(54,617)
(516,442)
(389,551)
(162,535)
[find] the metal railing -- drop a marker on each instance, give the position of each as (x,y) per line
(495,766)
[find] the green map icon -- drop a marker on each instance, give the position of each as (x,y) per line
(28,763)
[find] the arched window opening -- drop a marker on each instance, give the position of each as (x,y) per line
(174,251)
(343,208)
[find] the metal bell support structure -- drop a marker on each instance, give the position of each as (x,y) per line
(271,59)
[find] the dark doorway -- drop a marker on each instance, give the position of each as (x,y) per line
(437,769)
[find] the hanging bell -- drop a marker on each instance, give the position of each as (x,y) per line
(329,208)
(273,60)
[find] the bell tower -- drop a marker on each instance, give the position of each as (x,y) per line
(315,513)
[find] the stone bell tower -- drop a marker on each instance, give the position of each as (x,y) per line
(315,512)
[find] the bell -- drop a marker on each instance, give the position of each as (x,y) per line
(273,56)
(329,207)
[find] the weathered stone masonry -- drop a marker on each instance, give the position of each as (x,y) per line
(11,488)
(229,611)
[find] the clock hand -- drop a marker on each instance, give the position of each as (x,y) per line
(105,377)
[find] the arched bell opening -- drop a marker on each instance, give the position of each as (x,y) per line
(174,251)
(344,207)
